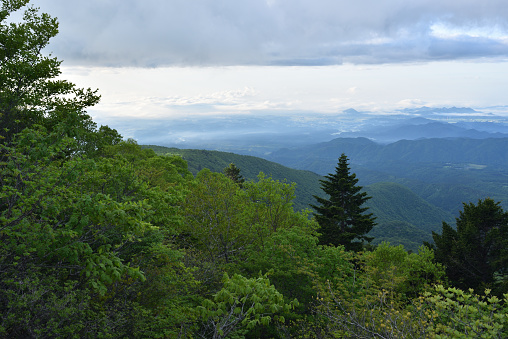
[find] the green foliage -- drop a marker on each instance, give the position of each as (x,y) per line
(51,227)
(242,302)
(215,161)
(370,314)
(289,255)
(31,91)
(459,314)
(375,297)
(477,250)
(214,217)
(222,220)
(393,269)
(392,297)
(341,217)
(298,266)
(438,313)
(272,203)
(233,173)
(75,235)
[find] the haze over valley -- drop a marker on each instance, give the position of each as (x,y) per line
(265,132)
(420,165)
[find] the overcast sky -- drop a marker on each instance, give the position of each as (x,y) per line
(164,58)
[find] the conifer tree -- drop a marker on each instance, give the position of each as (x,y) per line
(341,217)
(476,253)
(233,173)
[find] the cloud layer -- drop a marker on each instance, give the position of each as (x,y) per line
(153,33)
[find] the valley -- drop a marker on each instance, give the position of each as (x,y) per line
(415,183)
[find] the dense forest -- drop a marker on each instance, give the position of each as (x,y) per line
(402,217)
(100,238)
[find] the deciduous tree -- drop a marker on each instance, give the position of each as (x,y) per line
(242,302)
(31,92)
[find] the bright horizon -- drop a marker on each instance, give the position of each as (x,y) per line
(168,60)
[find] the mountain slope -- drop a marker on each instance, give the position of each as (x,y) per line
(445,172)
(394,202)
(402,216)
(250,166)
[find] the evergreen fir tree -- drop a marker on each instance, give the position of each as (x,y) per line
(233,173)
(475,254)
(341,217)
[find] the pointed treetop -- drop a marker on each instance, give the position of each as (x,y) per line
(341,217)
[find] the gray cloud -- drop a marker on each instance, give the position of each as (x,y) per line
(287,32)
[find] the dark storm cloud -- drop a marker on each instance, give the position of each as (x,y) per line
(286,32)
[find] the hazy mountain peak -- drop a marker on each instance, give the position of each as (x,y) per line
(351,111)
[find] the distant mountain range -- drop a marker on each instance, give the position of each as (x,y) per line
(424,110)
(261,133)
(419,165)
(427,122)
(457,152)
(422,128)
(445,172)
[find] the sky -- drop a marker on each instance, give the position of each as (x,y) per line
(167,59)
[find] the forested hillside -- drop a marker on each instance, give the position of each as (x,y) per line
(307,182)
(100,238)
(402,216)
(460,151)
(444,172)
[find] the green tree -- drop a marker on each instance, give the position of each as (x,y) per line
(392,268)
(297,263)
(272,202)
(454,313)
(30,91)
(223,220)
(476,253)
(342,218)
(382,299)
(59,242)
(85,246)
(214,218)
(233,173)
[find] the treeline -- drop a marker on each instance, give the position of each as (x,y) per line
(102,239)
